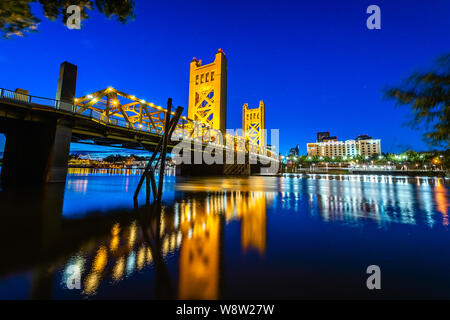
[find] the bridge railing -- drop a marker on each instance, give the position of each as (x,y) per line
(185,127)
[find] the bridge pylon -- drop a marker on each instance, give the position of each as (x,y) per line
(208,92)
(254,124)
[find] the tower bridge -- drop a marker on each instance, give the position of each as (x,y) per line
(39,130)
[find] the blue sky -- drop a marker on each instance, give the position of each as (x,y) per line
(314,63)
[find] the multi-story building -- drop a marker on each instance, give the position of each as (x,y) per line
(331,147)
(294,152)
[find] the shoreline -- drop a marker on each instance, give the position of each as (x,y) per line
(430,174)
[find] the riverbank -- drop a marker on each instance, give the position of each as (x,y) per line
(409,173)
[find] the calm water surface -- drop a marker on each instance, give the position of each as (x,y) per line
(256,237)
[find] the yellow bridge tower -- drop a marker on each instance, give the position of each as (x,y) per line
(208,92)
(254,124)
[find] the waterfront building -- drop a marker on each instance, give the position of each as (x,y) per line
(331,147)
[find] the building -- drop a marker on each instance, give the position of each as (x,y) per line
(363,137)
(331,147)
(294,152)
(325,136)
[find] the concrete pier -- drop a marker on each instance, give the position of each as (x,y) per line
(37,152)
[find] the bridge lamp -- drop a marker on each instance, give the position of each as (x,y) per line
(89,96)
(142,101)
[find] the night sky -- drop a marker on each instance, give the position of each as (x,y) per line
(314,63)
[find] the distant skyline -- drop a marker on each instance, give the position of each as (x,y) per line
(315,64)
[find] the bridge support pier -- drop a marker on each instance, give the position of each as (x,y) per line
(35,152)
(235,168)
(38,151)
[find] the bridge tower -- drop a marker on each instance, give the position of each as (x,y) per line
(254,124)
(208,92)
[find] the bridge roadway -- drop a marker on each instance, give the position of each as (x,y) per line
(86,128)
(39,131)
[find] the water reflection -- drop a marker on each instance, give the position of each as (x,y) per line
(194,227)
(178,250)
(354,199)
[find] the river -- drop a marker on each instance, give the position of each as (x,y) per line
(257,237)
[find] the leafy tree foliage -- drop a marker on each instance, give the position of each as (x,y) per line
(16,16)
(428,96)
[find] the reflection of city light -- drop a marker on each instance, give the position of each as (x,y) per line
(100,259)
(132,236)
(149,257)
(141,257)
(118,269)
(441,201)
(165,246)
(131,262)
(91,283)
(115,237)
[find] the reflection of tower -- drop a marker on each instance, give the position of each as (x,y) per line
(254,222)
(254,124)
(200,257)
(208,92)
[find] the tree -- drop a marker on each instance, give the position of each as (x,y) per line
(16,16)
(428,95)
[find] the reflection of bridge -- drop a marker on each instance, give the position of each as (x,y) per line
(39,130)
(110,248)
